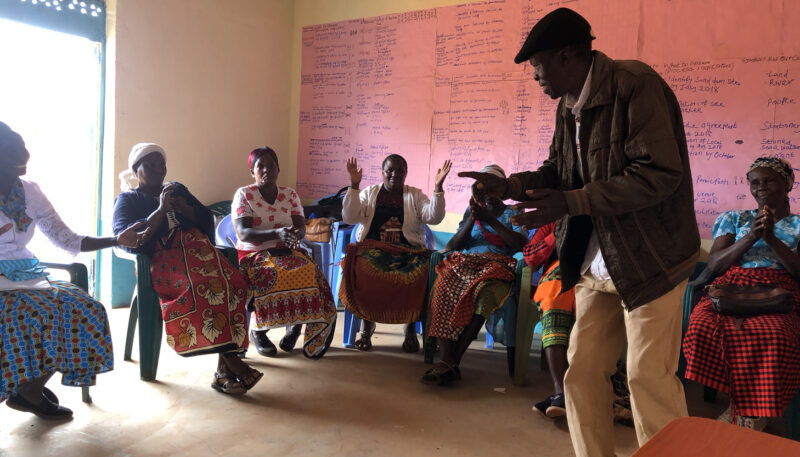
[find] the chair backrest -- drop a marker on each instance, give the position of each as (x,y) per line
(220,209)
(225,233)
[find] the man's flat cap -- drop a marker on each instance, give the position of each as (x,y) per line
(559,28)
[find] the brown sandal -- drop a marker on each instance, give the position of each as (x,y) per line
(251,379)
(227,384)
(442,378)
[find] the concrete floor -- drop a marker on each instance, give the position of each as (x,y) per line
(349,403)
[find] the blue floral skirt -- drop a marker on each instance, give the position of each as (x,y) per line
(47,330)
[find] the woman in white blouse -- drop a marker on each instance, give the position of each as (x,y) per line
(385,274)
(288,289)
(45,325)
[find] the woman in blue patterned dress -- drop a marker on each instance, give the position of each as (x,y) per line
(755,359)
(45,326)
(474,280)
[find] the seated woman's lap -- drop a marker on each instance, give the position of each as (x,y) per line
(290,290)
(61,329)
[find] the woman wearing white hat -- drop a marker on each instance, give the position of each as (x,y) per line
(203,295)
(474,280)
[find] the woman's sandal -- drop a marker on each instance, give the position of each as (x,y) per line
(251,378)
(228,384)
(365,342)
(441,378)
(411,345)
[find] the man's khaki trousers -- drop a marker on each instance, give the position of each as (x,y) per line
(653,333)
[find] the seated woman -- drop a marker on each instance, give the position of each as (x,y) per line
(202,295)
(288,289)
(389,253)
(46,326)
(755,359)
(474,281)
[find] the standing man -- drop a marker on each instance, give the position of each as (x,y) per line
(619,184)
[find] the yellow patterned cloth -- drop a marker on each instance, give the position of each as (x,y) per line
(291,290)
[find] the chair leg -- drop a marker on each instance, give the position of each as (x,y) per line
(526,321)
(85,395)
(793,419)
(510,357)
(132,318)
(351,326)
(149,336)
(709,395)
(489,344)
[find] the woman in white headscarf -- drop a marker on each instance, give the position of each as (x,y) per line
(474,280)
(203,296)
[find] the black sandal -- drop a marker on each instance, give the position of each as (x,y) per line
(365,342)
(443,378)
(227,384)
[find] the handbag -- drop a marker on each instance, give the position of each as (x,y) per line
(747,301)
(329,206)
(319,229)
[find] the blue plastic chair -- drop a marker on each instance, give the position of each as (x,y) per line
(351,322)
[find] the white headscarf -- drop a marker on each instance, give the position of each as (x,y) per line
(127,179)
(495,170)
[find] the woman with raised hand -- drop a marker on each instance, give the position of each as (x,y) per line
(203,296)
(385,273)
(288,289)
(45,325)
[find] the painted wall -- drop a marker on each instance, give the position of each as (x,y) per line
(311,12)
(208,80)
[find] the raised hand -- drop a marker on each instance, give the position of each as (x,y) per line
(6,228)
(441,174)
(547,205)
(354,172)
(486,185)
(165,200)
(129,238)
(179,204)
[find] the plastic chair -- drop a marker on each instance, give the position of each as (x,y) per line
(78,275)
(220,209)
(353,323)
(146,310)
(701,277)
(225,233)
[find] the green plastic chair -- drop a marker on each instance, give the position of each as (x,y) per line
(220,209)
(146,310)
(527,317)
(78,275)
